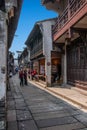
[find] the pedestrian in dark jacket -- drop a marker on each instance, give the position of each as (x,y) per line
(25,77)
(21,76)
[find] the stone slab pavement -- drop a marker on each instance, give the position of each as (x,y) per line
(72,95)
(32,108)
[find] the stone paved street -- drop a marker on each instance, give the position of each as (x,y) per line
(30,108)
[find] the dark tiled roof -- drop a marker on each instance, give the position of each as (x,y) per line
(46,1)
(2,5)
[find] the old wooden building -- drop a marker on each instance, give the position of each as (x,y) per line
(70,32)
(42,54)
(9,14)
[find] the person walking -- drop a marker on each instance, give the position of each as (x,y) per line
(21,76)
(25,77)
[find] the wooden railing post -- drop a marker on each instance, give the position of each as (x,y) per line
(68,9)
(71,9)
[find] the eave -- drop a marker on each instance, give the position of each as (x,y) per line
(47,1)
(55,5)
(12,21)
(33,34)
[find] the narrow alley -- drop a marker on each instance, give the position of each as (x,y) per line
(30,108)
(45,42)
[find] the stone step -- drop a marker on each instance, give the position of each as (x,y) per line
(70,94)
(84,92)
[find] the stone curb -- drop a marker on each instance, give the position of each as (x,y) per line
(69,99)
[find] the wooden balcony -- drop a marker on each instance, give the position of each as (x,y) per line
(37,50)
(73,13)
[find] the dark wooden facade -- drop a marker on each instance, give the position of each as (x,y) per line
(36,47)
(77,63)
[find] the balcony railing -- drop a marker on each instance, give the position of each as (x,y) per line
(71,9)
(38,48)
(61,21)
(75,5)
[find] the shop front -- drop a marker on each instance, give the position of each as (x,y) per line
(42,69)
(36,66)
(55,67)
